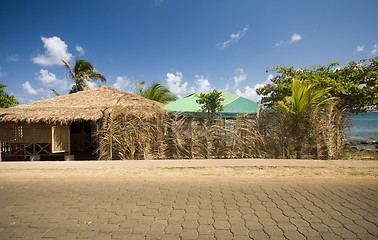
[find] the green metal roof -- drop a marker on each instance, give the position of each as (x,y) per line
(233,106)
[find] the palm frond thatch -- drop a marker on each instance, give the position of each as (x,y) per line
(86,105)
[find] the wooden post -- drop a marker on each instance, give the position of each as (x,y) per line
(69,140)
(33,139)
(111,137)
(102,125)
(1,148)
(191,139)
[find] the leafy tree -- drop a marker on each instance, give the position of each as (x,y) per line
(211,102)
(6,100)
(83,71)
(156,91)
(302,106)
(355,85)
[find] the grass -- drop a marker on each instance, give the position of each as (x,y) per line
(355,154)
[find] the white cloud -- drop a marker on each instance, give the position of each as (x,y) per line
(226,88)
(80,50)
(121,83)
(56,50)
(239,77)
(51,81)
(203,84)
(14,58)
(2,74)
(360,48)
(234,37)
(375,49)
(92,84)
(29,89)
(158,3)
(279,43)
(175,85)
(295,37)
(250,92)
(46,77)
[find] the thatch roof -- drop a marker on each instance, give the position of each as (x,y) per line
(84,105)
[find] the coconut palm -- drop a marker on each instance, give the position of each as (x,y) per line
(83,71)
(306,101)
(156,91)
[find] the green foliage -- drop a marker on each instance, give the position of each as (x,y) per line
(305,100)
(156,91)
(302,108)
(211,102)
(83,72)
(6,100)
(355,85)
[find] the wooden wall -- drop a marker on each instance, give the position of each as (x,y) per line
(25,133)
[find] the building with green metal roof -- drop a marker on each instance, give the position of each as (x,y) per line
(234,105)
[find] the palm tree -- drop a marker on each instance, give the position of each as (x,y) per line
(306,101)
(83,71)
(156,91)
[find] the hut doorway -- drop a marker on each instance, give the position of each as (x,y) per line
(82,142)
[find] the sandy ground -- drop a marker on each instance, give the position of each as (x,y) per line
(219,174)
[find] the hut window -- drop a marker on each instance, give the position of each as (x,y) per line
(18,132)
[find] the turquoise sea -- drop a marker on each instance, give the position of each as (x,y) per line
(363,127)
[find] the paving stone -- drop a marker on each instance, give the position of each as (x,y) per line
(140,229)
(189,210)
(189,234)
(171,236)
(223,234)
(239,230)
(206,229)
(258,234)
(173,228)
(190,224)
(294,235)
(221,225)
(205,220)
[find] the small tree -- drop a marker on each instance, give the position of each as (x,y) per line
(6,100)
(211,102)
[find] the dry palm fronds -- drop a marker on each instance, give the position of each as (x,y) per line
(130,135)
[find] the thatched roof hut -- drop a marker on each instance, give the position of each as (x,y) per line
(81,106)
(66,124)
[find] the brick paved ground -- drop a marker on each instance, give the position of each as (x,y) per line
(100,209)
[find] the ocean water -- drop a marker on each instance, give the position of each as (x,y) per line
(363,127)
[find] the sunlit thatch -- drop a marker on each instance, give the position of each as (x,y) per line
(81,106)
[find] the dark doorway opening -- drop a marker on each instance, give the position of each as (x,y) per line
(83,141)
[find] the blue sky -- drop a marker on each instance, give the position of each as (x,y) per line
(190,46)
